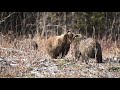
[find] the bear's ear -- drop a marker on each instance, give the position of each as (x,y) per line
(77,35)
(68,32)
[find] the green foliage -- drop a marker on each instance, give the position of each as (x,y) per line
(114,69)
(86,21)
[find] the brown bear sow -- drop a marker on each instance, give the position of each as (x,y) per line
(59,45)
(89,48)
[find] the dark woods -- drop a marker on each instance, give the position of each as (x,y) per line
(91,24)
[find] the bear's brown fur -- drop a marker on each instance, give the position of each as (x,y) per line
(59,45)
(88,48)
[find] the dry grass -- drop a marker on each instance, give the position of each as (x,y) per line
(20,52)
(20,60)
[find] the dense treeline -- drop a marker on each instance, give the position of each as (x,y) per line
(91,24)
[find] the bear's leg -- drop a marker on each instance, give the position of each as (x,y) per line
(77,55)
(99,57)
(65,50)
(85,58)
(53,54)
(99,54)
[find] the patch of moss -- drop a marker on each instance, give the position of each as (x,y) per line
(114,69)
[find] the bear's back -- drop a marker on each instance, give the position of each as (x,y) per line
(87,46)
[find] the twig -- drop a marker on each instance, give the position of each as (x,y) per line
(11,49)
(6,17)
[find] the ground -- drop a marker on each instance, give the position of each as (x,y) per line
(24,62)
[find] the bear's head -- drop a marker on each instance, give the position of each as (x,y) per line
(79,37)
(68,37)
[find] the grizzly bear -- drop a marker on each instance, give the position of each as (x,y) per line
(88,48)
(59,45)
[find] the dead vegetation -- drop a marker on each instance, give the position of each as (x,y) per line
(20,59)
(23,36)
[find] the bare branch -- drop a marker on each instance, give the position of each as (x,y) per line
(7,17)
(11,49)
